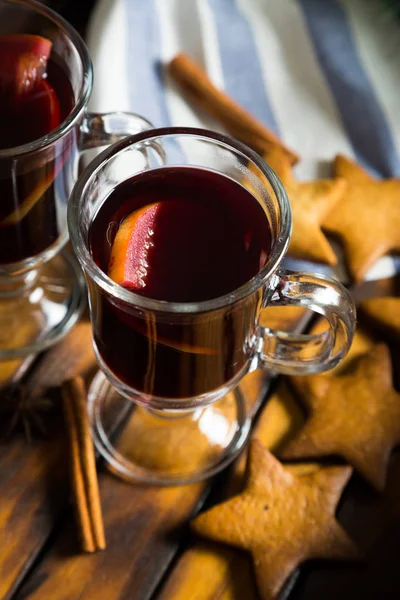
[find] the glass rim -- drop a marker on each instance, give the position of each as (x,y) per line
(100,278)
(86,86)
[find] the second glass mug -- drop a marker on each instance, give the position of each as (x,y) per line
(149,349)
(41,291)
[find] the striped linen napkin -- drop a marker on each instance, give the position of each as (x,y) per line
(324,75)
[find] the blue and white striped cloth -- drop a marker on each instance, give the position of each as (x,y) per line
(323,74)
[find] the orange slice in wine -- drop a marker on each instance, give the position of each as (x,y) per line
(42,108)
(32,99)
(131,261)
(23,63)
(129,255)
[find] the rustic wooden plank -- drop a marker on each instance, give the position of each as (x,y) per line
(13,464)
(32,491)
(208,572)
(144,529)
(33,477)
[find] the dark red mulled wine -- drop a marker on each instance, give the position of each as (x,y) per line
(178,234)
(35,98)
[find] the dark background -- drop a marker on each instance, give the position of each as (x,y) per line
(75,11)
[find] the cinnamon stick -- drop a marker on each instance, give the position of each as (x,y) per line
(240,123)
(83,466)
(78,485)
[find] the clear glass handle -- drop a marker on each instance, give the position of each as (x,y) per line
(301,354)
(102,129)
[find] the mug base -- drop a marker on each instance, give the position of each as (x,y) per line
(36,311)
(165,447)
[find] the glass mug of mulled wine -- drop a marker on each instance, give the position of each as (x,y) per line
(181,233)
(45,85)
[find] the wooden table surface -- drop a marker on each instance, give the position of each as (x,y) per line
(145,526)
(150,553)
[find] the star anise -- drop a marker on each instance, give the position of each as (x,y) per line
(24,410)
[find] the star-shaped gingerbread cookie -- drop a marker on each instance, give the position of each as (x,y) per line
(281,518)
(355,415)
(311,203)
(384,313)
(366,219)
